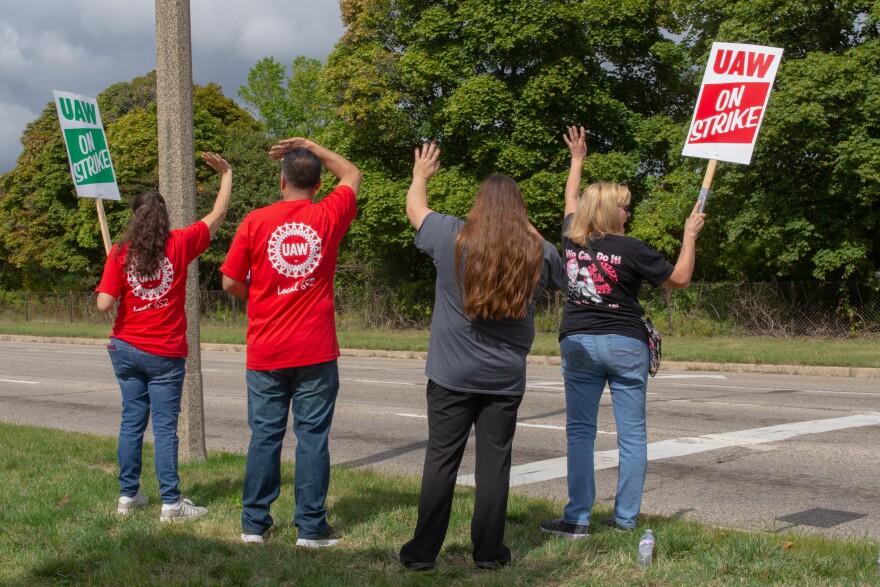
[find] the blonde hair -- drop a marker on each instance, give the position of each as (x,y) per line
(596,213)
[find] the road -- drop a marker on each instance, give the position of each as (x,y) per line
(754,451)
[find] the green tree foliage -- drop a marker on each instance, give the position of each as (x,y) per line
(496,82)
(290,103)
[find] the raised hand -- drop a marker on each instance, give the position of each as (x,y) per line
(576,139)
(285,146)
(217,163)
(427,161)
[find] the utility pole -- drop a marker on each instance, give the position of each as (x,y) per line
(174,106)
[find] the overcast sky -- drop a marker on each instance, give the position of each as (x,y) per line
(84,46)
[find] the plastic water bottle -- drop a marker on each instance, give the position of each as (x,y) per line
(646,549)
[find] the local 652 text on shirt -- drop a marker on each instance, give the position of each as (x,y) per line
(289,249)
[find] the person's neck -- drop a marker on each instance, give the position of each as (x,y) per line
(294,196)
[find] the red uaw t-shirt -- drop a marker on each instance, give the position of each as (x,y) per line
(290,249)
(150,315)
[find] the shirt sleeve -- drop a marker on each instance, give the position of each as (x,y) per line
(554,266)
(195,238)
(342,204)
(111,280)
(437,231)
(653,266)
(238,259)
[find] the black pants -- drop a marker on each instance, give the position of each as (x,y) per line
(450,416)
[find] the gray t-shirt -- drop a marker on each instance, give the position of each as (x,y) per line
(477,356)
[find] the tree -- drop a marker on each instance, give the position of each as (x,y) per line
(288,104)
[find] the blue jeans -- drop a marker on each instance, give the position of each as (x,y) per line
(588,362)
(149,384)
(311,391)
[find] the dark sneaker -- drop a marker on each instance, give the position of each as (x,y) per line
(496,564)
(613,525)
(414,566)
(326,538)
(560,527)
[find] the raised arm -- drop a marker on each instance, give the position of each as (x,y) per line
(344,170)
(426,165)
(221,204)
(684,267)
(576,139)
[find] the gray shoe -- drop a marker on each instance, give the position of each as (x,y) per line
(126,505)
(182,510)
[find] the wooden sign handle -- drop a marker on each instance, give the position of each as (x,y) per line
(105,231)
(707,183)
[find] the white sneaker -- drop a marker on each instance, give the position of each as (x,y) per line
(128,504)
(182,510)
(252,538)
(328,538)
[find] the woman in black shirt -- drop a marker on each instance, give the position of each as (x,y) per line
(603,338)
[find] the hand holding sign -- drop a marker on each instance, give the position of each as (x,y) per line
(694,223)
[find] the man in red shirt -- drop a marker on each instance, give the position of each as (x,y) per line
(282,261)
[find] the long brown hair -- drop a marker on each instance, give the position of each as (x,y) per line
(146,234)
(596,213)
(501,253)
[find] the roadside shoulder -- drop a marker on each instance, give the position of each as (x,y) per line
(809,370)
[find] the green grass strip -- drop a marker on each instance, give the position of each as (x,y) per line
(842,352)
(60,528)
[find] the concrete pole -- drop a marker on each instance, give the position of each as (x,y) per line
(174,106)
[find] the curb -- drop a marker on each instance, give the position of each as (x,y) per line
(808,370)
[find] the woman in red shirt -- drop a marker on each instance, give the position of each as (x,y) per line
(146,271)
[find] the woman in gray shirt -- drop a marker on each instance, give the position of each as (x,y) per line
(490,270)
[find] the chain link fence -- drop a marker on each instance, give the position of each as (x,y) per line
(767,309)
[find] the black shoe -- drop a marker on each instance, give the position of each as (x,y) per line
(613,525)
(496,564)
(414,566)
(560,527)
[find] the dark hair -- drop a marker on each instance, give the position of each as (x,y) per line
(146,234)
(301,169)
(502,255)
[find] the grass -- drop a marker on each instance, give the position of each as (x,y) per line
(843,352)
(60,528)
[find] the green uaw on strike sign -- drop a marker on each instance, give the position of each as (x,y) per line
(87,150)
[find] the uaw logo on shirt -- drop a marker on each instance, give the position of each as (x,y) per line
(295,251)
(152,287)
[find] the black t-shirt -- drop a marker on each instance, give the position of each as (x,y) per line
(603,283)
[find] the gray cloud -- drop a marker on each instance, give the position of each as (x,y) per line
(84,46)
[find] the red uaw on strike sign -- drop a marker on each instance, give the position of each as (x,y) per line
(733,97)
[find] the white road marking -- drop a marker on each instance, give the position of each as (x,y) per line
(680,447)
(18,381)
(519,424)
